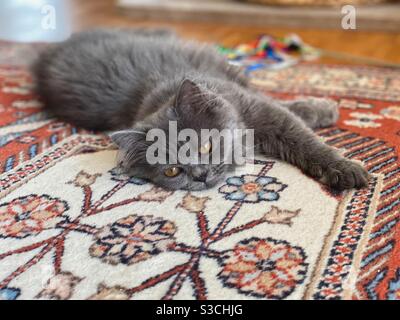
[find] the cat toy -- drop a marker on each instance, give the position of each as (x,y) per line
(268,52)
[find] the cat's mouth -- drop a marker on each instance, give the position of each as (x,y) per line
(198,186)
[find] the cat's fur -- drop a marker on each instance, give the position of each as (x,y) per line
(141,79)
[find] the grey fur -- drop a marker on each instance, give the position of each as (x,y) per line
(142,79)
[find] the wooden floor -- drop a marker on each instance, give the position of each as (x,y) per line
(377,45)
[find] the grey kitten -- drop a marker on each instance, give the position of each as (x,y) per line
(136,80)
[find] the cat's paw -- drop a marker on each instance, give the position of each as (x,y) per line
(316,112)
(327,111)
(344,174)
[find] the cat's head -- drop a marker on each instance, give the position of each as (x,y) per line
(195,108)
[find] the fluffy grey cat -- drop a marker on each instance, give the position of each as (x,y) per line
(136,80)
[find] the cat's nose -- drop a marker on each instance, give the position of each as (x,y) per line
(200,176)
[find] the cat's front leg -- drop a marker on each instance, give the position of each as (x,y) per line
(279,133)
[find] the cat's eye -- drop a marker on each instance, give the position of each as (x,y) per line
(205,148)
(172,172)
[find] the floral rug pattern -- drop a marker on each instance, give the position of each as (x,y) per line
(72,228)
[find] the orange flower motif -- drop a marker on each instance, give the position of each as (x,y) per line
(155,194)
(84,179)
(265,268)
(133,239)
(110,293)
(60,287)
(193,204)
(30,215)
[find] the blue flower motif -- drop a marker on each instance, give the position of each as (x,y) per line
(117,176)
(252,188)
(9,293)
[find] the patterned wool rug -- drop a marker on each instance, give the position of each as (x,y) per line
(70,228)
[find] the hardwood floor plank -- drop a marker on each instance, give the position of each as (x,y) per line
(371,44)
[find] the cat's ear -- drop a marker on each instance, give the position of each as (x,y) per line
(126,139)
(189,96)
(132,147)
